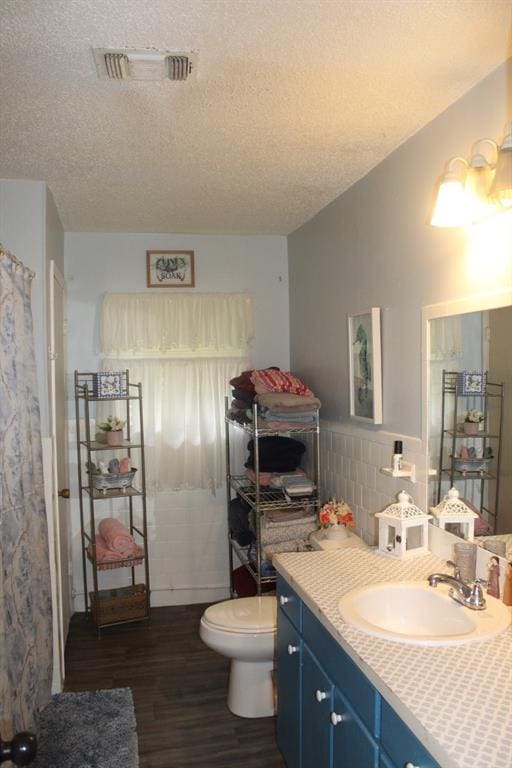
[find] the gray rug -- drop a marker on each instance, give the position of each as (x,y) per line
(88,730)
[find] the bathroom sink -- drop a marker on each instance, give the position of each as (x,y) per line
(415,613)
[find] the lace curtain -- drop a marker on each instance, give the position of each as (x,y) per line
(184,349)
(25,600)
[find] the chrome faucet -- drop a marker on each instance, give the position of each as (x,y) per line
(465,594)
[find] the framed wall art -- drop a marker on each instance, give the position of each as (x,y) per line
(170,269)
(365,367)
(471,382)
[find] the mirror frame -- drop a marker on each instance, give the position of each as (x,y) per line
(477,303)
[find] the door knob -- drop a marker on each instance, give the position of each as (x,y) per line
(21,750)
(64,493)
(292,649)
(320,695)
(335,718)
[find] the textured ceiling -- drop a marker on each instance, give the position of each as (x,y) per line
(294,101)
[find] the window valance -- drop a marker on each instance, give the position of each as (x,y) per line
(213,324)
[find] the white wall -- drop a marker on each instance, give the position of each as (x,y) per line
(373,247)
(187,530)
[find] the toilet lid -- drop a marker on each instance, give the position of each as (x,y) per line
(245,614)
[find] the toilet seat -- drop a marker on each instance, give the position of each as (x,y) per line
(251,615)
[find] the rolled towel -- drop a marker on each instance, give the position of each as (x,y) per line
(106,559)
(116,536)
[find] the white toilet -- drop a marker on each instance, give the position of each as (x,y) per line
(244,630)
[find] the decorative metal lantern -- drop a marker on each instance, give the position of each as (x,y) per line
(453,511)
(403,529)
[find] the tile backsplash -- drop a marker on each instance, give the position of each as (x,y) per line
(350,463)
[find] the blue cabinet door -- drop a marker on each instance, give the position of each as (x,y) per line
(288,670)
(317,691)
(385,762)
(400,744)
(353,746)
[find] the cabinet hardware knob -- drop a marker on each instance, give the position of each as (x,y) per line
(283,599)
(64,493)
(410,765)
(335,718)
(320,696)
(292,649)
(21,750)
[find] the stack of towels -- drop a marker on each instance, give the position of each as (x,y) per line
(243,397)
(286,536)
(114,544)
(285,401)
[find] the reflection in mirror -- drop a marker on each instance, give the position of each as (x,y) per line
(479,465)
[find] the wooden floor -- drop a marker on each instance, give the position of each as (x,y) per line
(179,687)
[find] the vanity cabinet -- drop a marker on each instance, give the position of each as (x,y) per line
(288,675)
(329,714)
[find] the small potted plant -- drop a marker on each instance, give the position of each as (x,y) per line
(335,517)
(472,421)
(113,428)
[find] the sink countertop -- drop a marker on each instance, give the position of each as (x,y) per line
(456,700)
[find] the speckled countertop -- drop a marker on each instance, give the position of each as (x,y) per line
(457,700)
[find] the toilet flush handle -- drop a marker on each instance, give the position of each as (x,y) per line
(292,649)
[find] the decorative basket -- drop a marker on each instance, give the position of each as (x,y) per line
(106,483)
(109,606)
(471,465)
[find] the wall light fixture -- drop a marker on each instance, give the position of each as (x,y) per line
(470,192)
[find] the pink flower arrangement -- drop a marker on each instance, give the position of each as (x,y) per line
(336,513)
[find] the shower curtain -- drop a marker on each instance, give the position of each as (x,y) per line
(25,600)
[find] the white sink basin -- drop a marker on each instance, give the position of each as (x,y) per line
(415,613)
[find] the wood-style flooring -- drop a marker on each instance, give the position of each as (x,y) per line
(179,688)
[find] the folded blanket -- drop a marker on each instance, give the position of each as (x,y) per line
(244,395)
(107,559)
(276,454)
(275,400)
(300,417)
(294,545)
(272,534)
(272,479)
(285,426)
(243,381)
(276,516)
(270,380)
(116,537)
(265,477)
(278,479)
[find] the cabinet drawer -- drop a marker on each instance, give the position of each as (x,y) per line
(289,602)
(359,692)
(400,743)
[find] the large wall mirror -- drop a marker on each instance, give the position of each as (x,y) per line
(475,456)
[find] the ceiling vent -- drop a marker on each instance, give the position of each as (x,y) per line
(144,64)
